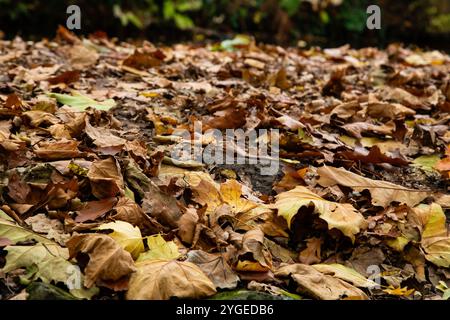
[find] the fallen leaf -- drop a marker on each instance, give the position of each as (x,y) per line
(158,248)
(345,273)
(81,102)
(215,267)
(94,209)
(106,178)
(402,292)
(340,216)
(254,256)
(311,254)
(108,262)
(126,235)
(318,285)
(162,280)
(51,262)
(382,192)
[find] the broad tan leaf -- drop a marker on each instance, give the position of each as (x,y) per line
(231,192)
(435,234)
(340,216)
(215,267)
(164,279)
(382,192)
(345,273)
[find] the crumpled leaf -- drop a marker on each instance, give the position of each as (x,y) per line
(105,178)
(254,256)
(164,279)
(319,285)
(126,235)
(340,216)
(159,249)
(108,262)
(215,267)
(311,254)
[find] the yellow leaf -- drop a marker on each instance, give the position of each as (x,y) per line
(129,237)
(159,249)
(403,292)
(435,239)
(231,192)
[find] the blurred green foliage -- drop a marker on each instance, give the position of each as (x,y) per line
(281,21)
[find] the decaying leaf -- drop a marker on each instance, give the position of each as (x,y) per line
(215,267)
(382,192)
(108,261)
(340,216)
(319,285)
(164,279)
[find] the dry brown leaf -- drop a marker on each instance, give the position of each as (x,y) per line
(187,225)
(382,192)
(59,150)
(311,254)
(105,178)
(108,261)
(254,256)
(318,285)
(163,279)
(215,267)
(94,209)
(82,57)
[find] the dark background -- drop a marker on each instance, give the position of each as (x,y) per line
(425,23)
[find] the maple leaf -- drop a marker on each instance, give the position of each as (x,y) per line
(163,279)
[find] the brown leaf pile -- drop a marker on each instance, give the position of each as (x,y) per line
(361,196)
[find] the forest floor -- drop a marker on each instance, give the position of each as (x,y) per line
(95,203)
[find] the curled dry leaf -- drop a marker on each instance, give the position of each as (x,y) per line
(187,225)
(108,261)
(340,216)
(345,273)
(129,211)
(254,256)
(163,279)
(435,234)
(59,150)
(106,178)
(319,285)
(382,192)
